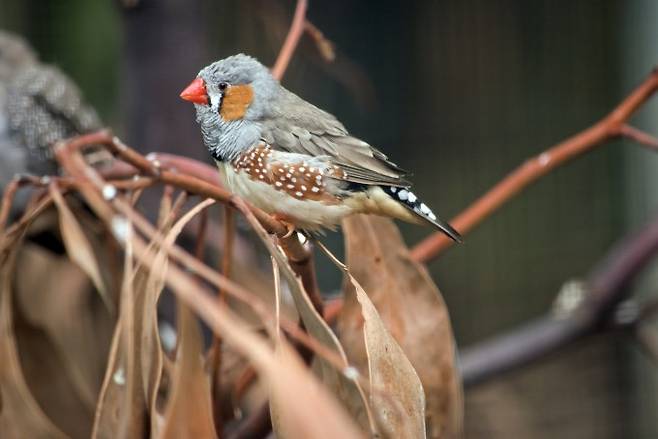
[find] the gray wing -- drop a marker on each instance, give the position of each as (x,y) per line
(300,127)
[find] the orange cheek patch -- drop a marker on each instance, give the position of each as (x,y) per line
(235,102)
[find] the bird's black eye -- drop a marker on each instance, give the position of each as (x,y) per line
(223,86)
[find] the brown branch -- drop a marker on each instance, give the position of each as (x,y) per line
(305,269)
(292,39)
(8,201)
(638,136)
(611,126)
(90,185)
(185,165)
(605,288)
(325,46)
(189,183)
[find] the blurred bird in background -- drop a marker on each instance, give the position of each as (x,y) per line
(39,105)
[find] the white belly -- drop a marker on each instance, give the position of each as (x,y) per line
(306,214)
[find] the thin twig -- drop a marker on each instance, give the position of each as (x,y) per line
(8,201)
(613,125)
(292,39)
(638,136)
(325,47)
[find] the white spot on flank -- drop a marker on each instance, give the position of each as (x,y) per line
(288,175)
(315,189)
(261,177)
(281,171)
(294,180)
(282,178)
(278,184)
(302,169)
(303,188)
(403,194)
(290,186)
(412,198)
(299,194)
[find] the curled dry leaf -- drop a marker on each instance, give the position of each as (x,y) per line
(148,286)
(189,411)
(78,247)
(412,309)
(121,408)
(20,414)
(396,393)
(189,408)
(347,390)
(63,336)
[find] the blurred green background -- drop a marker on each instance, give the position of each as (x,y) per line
(459,92)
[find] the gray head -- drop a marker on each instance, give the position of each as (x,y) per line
(15,55)
(231,96)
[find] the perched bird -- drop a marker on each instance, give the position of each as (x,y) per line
(292,159)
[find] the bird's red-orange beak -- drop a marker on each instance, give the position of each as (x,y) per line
(196,92)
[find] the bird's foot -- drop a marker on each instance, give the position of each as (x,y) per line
(287,223)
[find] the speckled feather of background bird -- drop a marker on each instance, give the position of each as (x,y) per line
(39,105)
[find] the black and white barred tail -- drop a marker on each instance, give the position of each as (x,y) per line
(409,200)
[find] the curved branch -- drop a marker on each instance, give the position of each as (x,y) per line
(289,46)
(607,128)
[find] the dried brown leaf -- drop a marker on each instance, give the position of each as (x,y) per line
(396,393)
(309,410)
(189,411)
(78,247)
(59,305)
(412,309)
(286,377)
(111,396)
(20,414)
(347,390)
(121,409)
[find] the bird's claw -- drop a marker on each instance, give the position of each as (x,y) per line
(290,227)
